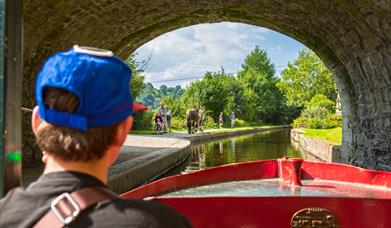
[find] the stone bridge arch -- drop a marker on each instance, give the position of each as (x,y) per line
(352,37)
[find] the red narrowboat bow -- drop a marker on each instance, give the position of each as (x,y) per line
(277,193)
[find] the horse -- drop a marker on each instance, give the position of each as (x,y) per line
(192,119)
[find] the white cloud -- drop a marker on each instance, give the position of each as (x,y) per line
(191,51)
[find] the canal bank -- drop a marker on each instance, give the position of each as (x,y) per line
(216,135)
(142,158)
(315,148)
(147,157)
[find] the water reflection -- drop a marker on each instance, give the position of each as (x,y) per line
(264,145)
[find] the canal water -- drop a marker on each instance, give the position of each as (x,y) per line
(269,144)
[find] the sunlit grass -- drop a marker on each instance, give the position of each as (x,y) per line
(334,135)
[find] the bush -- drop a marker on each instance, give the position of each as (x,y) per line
(322,123)
(321,101)
(143,120)
(178,123)
(241,123)
(331,121)
(315,123)
(315,112)
(318,114)
(209,123)
(300,122)
(337,118)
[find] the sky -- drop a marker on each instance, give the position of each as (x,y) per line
(191,51)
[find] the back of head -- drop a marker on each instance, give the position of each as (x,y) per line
(82,95)
(67,143)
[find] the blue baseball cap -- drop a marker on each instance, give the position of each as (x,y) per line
(99,79)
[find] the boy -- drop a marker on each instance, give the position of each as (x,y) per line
(81,121)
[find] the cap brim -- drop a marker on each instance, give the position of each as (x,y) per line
(139,107)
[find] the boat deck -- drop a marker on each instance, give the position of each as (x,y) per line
(274,187)
(276,193)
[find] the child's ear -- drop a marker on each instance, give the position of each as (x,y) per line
(35,120)
(123,130)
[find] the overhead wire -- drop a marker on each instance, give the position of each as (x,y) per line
(190,78)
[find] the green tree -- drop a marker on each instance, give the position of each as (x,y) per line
(237,101)
(306,77)
(163,91)
(152,96)
(320,100)
(318,107)
(142,120)
(257,61)
(175,106)
(137,81)
(213,93)
(265,98)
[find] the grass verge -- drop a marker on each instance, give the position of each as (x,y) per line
(334,135)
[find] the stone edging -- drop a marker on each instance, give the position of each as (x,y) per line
(320,149)
(129,174)
(198,138)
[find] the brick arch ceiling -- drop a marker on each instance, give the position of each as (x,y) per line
(352,37)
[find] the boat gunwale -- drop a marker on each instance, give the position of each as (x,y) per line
(262,169)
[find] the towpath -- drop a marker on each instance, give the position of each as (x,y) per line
(146,157)
(135,146)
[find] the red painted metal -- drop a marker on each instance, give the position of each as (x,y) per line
(231,172)
(290,170)
(347,173)
(277,211)
(370,209)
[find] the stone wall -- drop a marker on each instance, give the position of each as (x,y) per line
(138,171)
(352,37)
(317,149)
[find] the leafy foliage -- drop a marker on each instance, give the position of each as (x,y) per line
(137,81)
(321,101)
(300,122)
(265,98)
(152,96)
(178,123)
(315,112)
(257,61)
(143,120)
(309,85)
(305,78)
(217,92)
(318,114)
(316,123)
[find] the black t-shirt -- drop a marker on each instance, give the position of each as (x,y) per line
(24,207)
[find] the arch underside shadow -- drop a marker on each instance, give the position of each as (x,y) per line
(353,39)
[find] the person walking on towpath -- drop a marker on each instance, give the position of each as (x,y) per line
(163,113)
(158,123)
(81,121)
(221,119)
(232,118)
(168,117)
